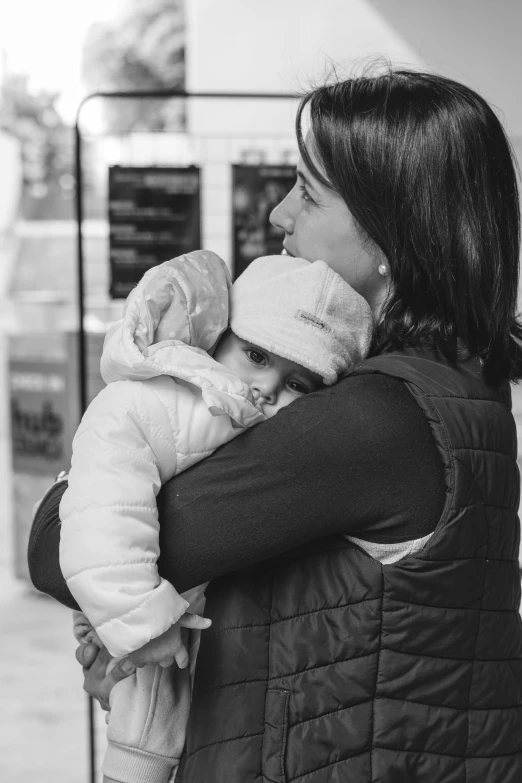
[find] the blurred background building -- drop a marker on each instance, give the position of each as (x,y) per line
(243,151)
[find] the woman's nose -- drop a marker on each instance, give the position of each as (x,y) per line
(282,216)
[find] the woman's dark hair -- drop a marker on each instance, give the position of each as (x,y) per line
(425,168)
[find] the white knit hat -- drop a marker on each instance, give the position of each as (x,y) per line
(304,312)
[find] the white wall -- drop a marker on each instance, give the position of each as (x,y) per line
(478,42)
(278,45)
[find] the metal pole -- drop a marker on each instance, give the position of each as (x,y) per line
(82,378)
(175,93)
(82,352)
(92,740)
(82,369)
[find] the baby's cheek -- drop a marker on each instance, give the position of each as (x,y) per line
(270,410)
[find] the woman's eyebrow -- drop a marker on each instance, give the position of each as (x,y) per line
(307,182)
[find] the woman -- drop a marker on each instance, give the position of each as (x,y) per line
(363,544)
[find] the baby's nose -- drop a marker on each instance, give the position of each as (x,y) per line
(265,391)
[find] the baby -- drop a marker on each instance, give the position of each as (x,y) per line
(194,362)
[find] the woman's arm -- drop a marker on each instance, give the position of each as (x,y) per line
(44,548)
(356,458)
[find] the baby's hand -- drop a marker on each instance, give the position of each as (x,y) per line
(169,647)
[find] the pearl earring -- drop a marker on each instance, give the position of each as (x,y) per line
(384,270)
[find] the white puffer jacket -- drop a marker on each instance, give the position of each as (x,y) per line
(167,405)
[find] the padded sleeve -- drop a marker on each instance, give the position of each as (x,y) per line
(110,531)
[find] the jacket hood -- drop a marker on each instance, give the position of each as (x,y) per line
(171,320)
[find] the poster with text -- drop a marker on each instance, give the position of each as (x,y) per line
(154,215)
(41,429)
(256,191)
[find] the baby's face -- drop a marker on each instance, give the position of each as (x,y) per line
(275,382)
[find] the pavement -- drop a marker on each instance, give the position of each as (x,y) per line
(44,731)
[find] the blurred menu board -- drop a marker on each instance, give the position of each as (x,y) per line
(154,215)
(256,191)
(41,424)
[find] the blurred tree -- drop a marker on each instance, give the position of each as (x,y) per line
(47,152)
(142,48)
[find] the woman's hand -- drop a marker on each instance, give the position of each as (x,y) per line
(165,649)
(169,647)
(97,682)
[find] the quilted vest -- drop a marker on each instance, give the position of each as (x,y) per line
(324,665)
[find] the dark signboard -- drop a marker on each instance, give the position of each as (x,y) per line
(256,191)
(154,215)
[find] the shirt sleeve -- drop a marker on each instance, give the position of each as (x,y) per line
(44,547)
(355,458)
(147,725)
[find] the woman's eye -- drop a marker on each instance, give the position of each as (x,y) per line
(297,387)
(255,356)
(305,194)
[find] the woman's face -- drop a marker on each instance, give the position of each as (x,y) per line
(319,226)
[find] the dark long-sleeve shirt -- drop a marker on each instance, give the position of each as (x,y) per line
(357,458)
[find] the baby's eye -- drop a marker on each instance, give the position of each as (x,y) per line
(255,356)
(297,387)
